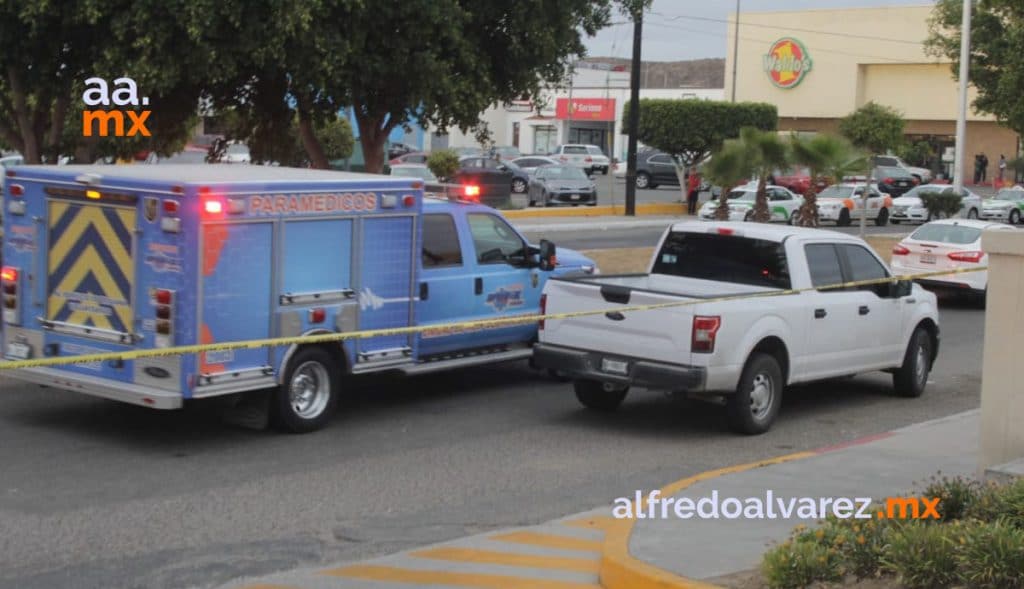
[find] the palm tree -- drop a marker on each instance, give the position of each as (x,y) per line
(755,154)
(825,156)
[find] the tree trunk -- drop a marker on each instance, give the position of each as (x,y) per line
(761,214)
(681,177)
(58,116)
(23,118)
(808,213)
(722,210)
(315,151)
(373,134)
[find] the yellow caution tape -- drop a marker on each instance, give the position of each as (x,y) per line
(457,326)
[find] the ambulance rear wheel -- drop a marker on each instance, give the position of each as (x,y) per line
(308,395)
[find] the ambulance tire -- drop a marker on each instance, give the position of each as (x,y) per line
(308,395)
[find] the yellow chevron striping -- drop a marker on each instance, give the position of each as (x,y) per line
(421,577)
(549,541)
(89,260)
(474,555)
(92,216)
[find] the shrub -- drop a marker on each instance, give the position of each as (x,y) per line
(955,495)
(991,555)
(922,555)
(795,564)
(941,204)
(443,163)
(1000,503)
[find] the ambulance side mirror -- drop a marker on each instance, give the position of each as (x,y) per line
(547,256)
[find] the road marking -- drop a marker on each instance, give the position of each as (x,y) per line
(549,541)
(475,555)
(483,581)
(596,522)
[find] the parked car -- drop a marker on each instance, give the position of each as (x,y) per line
(398,149)
(520,177)
(744,352)
(893,180)
(561,185)
(530,163)
(909,207)
(1007,205)
(782,203)
(923,175)
(601,162)
(413,157)
(420,171)
(505,152)
(237,153)
(798,180)
(654,168)
(576,155)
(488,180)
(947,244)
(842,203)
(467,151)
(8,161)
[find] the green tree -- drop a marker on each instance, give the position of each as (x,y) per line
(826,157)
(269,142)
(756,154)
(444,163)
(873,127)
(997,53)
(689,130)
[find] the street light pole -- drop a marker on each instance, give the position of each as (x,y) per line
(961,117)
(735,49)
(634,112)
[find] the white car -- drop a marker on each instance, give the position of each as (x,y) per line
(530,163)
(782,203)
(910,208)
(742,352)
(946,244)
(923,175)
(577,155)
(601,162)
(842,203)
(1007,205)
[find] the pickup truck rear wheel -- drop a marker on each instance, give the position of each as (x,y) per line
(912,376)
(600,396)
(309,393)
(753,408)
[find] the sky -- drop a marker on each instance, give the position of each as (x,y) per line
(691,29)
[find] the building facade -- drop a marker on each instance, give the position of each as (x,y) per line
(817,66)
(590,110)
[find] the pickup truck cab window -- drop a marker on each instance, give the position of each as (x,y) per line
(823,264)
(729,258)
(864,266)
(494,240)
(440,242)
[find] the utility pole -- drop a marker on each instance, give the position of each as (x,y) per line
(735,49)
(634,111)
(961,117)
(568,128)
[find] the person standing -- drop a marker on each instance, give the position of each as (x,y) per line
(984,167)
(1002,167)
(692,191)
(977,168)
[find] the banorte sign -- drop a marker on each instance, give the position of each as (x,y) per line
(787,62)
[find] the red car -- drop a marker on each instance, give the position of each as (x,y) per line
(797,180)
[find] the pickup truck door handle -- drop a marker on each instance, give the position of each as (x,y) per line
(864,310)
(478,285)
(424,291)
(820,313)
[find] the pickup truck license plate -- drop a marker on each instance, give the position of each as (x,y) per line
(614,366)
(928,259)
(19,351)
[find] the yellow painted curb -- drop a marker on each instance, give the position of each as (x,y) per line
(620,570)
(659,208)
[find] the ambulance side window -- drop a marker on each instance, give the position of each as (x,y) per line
(440,242)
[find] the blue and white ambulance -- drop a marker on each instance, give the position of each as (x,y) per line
(119,258)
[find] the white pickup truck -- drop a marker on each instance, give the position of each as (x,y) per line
(743,352)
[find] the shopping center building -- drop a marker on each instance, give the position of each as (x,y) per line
(818,66)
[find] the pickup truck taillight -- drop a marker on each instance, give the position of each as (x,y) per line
(704,331)
(543,310)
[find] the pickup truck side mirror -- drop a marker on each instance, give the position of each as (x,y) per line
(547,256)
(900,289)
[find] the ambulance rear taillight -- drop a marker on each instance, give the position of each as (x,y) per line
(163,301)
(9,284)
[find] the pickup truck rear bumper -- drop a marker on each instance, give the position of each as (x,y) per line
(639,372)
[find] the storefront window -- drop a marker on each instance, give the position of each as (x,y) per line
(545,139)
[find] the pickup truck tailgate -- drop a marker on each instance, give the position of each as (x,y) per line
(661,335)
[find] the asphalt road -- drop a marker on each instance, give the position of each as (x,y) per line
(95,494)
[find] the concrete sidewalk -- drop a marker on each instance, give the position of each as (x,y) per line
(677,552)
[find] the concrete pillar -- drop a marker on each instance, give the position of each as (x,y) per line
(1002,383)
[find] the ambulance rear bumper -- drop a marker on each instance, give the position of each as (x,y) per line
(99,387)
